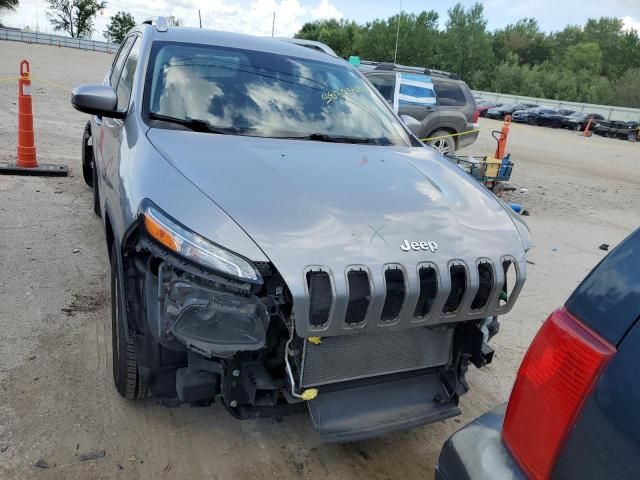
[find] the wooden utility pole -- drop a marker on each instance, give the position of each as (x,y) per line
(200,18)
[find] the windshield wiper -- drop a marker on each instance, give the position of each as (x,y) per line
(197,125)
(324,137)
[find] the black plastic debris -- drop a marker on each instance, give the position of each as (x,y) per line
(41,464)
(94,455)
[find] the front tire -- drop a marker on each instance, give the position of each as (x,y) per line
(444,145)
(124,358)
(87,155)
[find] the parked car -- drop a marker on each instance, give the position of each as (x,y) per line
(553,119)
(531,115)
(573,411)
(440,103)
(579,120)
(498,113)
(279,240)
(482,106)
(614,129)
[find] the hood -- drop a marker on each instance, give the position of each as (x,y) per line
(308,203)
(325,201)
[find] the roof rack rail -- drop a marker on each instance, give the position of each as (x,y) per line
(394,66)
(160,23)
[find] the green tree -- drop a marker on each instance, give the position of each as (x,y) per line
(8,4)
(626,91)
(119,25)
(340,35)
(466,48)
(74,16)
(594,63)
(174,21)
(524,39)
(584,56)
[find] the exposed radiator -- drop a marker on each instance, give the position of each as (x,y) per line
(350,357)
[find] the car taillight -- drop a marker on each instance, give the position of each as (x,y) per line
(555,377)
(476,115)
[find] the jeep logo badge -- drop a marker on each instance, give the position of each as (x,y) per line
(408,246)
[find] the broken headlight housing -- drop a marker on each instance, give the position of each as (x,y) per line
(180,240)
(206,318)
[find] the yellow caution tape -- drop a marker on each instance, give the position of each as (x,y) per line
(51,84)
(314,340)
(37,79)
(450,135)
(309,394)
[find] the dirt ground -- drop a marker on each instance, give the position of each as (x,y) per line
(57,400)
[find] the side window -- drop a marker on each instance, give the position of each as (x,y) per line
(385,84)
(449,94)
(125,84)
(119,61)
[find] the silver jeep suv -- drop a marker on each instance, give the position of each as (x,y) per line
(279,240)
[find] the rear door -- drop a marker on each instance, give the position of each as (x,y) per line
(605,441)
(455,104)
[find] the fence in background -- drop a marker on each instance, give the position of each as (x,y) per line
(56,40)
(609,112)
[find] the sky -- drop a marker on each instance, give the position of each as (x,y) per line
(256,16)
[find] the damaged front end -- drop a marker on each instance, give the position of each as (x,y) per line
(203,335)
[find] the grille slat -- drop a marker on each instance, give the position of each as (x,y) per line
(396,290)
(321,297)
(485,275)
(458,288)
(351,357)
(359,296)
(428,291)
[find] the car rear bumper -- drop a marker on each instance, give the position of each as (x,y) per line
(476,452)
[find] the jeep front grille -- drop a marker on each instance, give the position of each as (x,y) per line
(351,357)
(395,296)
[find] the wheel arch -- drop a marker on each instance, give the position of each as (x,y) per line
(447,129)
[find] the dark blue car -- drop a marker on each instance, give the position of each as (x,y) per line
(574,412)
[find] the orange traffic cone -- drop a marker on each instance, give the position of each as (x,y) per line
(502,141)
(586,132)
(26,163)
(26,143)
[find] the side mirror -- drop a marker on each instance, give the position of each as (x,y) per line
(411,123)
(98,100)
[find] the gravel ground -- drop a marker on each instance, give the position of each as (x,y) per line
(57,401)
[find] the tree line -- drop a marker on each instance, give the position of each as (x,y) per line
(598,62)
(76,17)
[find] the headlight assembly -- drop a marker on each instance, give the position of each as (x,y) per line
(177,238)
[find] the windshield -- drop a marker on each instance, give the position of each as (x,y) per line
(267,95)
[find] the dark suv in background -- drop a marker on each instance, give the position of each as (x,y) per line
(440,102)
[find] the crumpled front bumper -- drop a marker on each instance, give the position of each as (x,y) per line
(476,452)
